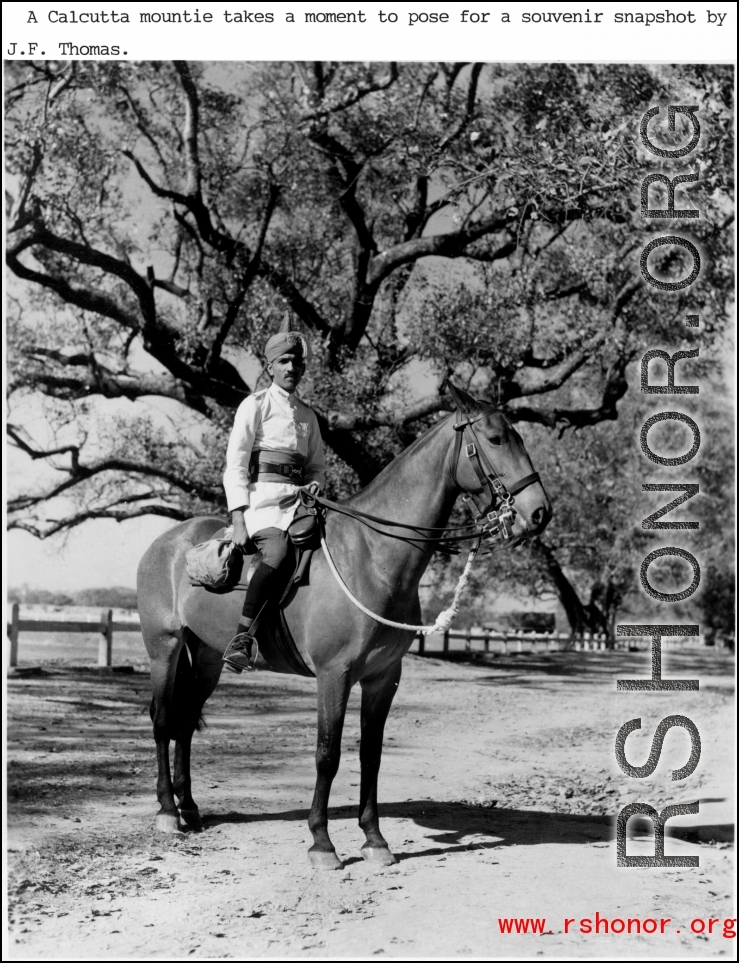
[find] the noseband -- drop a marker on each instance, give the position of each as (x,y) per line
(495,514)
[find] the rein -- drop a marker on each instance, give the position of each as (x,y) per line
(443,620)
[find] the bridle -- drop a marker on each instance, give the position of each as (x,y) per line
(494,517)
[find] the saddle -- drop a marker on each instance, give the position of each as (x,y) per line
(277,649)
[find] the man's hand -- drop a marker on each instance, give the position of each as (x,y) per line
(314,488)
(240,535)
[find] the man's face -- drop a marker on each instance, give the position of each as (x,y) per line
(287,370)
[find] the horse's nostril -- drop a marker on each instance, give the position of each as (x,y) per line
(540,516)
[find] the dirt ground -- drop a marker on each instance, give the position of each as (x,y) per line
(499,788)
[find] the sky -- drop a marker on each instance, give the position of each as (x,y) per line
(98,553)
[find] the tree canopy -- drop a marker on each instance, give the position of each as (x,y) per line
(418,220)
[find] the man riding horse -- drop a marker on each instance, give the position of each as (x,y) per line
(275,445)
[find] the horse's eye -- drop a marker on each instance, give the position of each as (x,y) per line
(496,440)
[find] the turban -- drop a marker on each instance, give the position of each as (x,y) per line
(286,340)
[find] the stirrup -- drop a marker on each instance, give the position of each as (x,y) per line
(241,652)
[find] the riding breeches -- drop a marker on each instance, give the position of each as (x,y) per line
(271,573)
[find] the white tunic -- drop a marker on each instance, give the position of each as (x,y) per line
(271,420)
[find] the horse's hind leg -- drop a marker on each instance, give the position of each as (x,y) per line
(194,684)
(165,655)
(377,697)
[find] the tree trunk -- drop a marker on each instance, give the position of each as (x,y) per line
(578,616)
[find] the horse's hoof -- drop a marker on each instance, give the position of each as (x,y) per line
(168,823)
(319,859)
(191,819)
(378,855)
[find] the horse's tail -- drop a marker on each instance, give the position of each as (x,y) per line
(186,710)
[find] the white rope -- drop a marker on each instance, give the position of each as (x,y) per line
(443,620)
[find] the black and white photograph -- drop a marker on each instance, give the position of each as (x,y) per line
(370,491)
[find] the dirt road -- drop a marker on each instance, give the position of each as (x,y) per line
(499,788)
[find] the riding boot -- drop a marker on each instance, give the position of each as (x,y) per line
(241,652)
(265,583)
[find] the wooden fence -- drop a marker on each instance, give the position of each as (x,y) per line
(490,640)
(106,627)
(474,639)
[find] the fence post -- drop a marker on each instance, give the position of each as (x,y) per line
(468,639)
(105,645)
(487,639)
(505,643)
(421,643)
(13,634)
(446,641)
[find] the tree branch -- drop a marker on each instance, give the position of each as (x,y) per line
(118,515)
(84,254)
(19,216)
(101,380)
(169,286)
(89,299)
(19,442)
(359,92)
(562,418)
(341,421)
(303,308)
(250,273)
(163,192)
(453,243)
(78,473)
(469,109)
(534,380)
(190,128)
(160,339)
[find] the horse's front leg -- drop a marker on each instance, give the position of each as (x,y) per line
(333,693)
(377,697)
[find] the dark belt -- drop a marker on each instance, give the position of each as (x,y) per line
(293,473)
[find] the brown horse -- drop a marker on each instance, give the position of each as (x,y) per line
(340,644)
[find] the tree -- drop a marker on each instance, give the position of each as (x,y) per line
(420,220)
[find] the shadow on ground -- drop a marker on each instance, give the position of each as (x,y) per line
(453,822)
(607,665)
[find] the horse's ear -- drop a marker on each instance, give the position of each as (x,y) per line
(495,394)
(461,399)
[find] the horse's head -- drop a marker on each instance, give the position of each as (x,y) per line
(491,465)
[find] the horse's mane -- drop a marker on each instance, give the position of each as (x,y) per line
(480,409)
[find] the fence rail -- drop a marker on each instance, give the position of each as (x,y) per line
(490,640)
(475,640)
(106,626)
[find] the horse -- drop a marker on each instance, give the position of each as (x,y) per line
(186,630)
